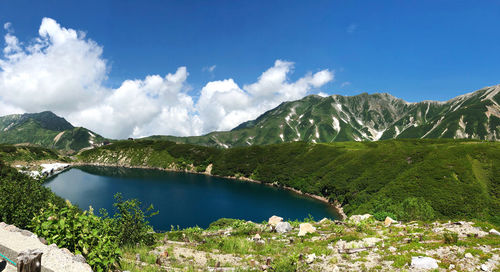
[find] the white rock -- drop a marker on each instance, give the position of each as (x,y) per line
(468,256)
(256,237)
(306,228)
(451,267)
(310,258)
(388,221)
(392,249)
(485,267)
(274,220)
(494,232)
(283,227)
(423,263)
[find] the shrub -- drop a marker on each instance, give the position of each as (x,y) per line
(415,208)
(21,197)
(130,222)
(380,216)
(80,232)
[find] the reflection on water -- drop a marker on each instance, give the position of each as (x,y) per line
(184,199)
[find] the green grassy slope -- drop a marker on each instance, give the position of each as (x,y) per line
(9,154)
(458,179)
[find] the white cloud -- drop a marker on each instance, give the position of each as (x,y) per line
(63,71)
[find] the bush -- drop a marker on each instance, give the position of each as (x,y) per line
(80,232)
(130,222)
(21,197)
(414,208)
(380,216)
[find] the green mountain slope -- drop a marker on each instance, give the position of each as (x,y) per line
(46,129)
(364,117)
(457,178)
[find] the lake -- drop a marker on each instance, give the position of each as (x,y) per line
(184,199)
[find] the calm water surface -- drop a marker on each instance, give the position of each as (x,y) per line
(184,199)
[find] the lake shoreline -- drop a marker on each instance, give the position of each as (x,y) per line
(335,205)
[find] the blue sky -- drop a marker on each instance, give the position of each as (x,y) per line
(415,50)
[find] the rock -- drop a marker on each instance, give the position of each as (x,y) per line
(42,240)
(358,218)
(451,267)
(306,228)
(468,256)
(494,232)
(283,227)
(324,220)
(310,258)
(388,221)
(423,263)
(485,267)
(256,237)
(274,220)
(392,249)
(79,258)
(138,257)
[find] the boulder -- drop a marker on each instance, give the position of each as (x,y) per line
(324,220)
(494,232)
(256,237)
(306,228)
(423,263)
(310,258)
(358,218)
(283,227)
(388,221)
(274,220)
(468,256)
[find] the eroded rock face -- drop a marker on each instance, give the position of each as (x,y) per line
(306,228)
(283,227)
(423,263)
(274,220)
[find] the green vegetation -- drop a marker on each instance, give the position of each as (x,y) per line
(411,179)
(81,232)
(22,197)
(97,238)
(10,154)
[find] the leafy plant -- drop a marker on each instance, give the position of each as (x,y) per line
(80,232)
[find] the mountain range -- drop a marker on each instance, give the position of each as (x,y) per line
(364,117)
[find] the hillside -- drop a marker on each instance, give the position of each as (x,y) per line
(364,117)
(47,130)
(457,179)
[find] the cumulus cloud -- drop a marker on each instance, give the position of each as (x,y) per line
(63,71)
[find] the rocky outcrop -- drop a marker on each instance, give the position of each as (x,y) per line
(14,240)
(274,220)
(306,228)
(283,227)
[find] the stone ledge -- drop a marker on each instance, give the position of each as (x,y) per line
(14,240)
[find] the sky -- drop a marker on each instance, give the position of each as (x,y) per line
(136,68)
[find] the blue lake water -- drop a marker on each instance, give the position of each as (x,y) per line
(184,199)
